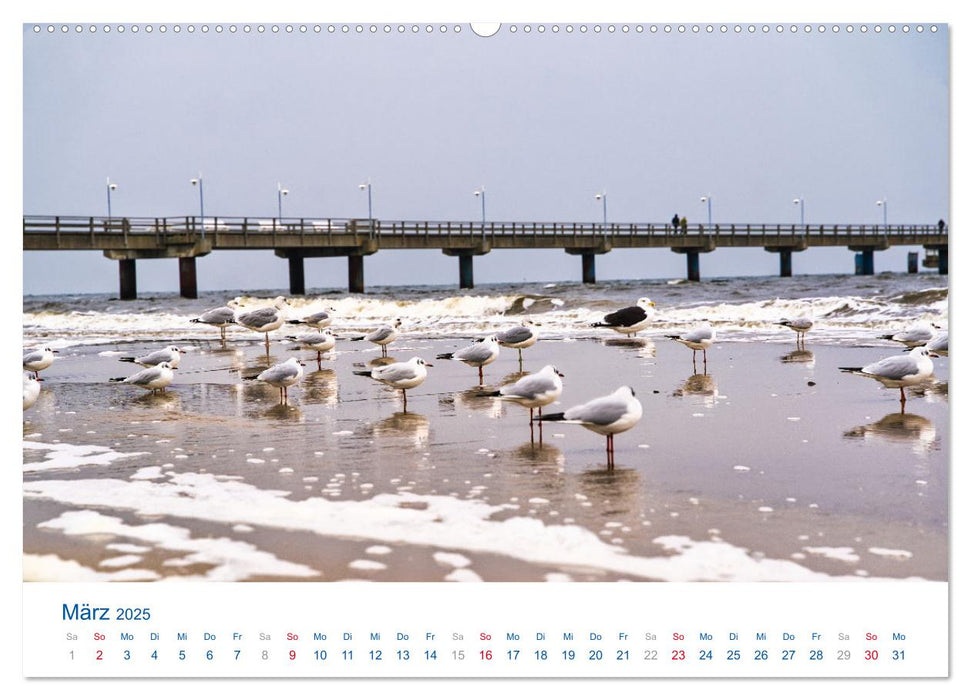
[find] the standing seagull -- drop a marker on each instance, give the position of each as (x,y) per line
(221,317)
(533,391)
(321,342)
(800,325)
(172,354)
(153,378)
(607,415)
(630,319)
(382,336)
(282,376)
(519,338)
(319,320)
(919,334)
(700,338)
(478,354)
(36,360)
(938,344)
(899,371)
(31,390)
(399,375)
(264,319)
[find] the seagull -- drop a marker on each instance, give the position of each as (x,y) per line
(533,391)
(152,378)
(264,319)
(220,317)
(36,360)
(899,371)
(938,344)
(919,334)
(800,325)
(382,336)
(283,375)
(172,354)
(31,390)
(478,354)
(321,342)
(399,375)
(320,319)
(519,337)
(630,319)
(700,338)
(607,415)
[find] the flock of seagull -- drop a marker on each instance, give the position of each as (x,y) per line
(606,415)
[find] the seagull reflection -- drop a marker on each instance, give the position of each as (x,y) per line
(282,411)
(474,400)
(703,385)
(899,427)
(381,361)
(800,356)
(539,455)
(643,346)
(321,387)
(408,425)
(169,400)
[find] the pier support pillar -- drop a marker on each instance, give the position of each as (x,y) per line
(465,272)
(942,260)
(864,262)
(694,266)
(589,261)
(785,263)
(297,283)
(188,287)
(126,279)
(355,274)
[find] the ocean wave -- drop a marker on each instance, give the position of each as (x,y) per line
(732,306)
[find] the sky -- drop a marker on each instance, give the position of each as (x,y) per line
(543,121)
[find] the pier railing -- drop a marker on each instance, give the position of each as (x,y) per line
(119,233)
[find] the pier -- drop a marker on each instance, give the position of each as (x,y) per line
(130,239)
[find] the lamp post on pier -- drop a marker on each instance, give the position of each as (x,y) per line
(202,210)
(281,192)
(602,197)
(109,188)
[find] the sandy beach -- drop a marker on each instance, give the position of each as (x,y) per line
(772,465)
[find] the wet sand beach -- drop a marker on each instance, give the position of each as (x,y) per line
(769,464)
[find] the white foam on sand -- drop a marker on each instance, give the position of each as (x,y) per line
(445,522)
(456,561)
(839,553)
(228,560)
(50,567)
(901,554)
(62,455)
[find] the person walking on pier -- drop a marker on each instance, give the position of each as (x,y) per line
(675,221)
(684,225)
(940,226)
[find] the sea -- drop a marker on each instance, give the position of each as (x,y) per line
(760,461)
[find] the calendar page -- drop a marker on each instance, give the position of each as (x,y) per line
(363,347)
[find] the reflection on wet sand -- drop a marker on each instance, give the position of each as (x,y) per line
(703,385)
(408,425)
(931,389)
(899,427)
(615,490)
(473,400)
(168,400)
(538,454)
(381,361)
(320,387)
(643,346)
(282,411)
(800,356)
